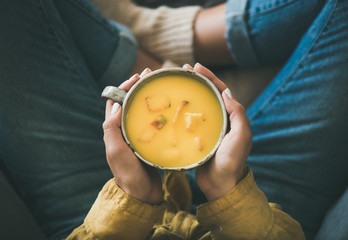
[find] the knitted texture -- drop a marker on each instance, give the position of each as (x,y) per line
(166,33)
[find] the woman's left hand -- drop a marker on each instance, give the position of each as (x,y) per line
(223,172)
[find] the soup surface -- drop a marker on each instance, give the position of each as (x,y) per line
(174,121)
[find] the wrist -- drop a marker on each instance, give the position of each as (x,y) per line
(220,185)
(152,195)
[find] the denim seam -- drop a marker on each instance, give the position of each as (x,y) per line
(33,206)
(65,53)
(291,75)
(101,22)
(237,34)
(125,39)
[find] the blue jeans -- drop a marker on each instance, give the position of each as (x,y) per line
(299,123)
(56,56)
(55,59)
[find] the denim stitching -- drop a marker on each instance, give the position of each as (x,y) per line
(65,53)
(97,17)
(125,40)
(238,36)
(41,8)
(283,86)
(33,206)
(270,7)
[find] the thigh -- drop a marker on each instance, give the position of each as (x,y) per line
(50,115)
(108,49)
(299,156)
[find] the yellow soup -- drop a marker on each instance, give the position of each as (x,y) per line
(174,121)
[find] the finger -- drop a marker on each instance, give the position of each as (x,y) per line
(108,107)
(228,93)
(207,73)
(146,71)
(113,114)
(116,114)
(234,108)
(239,122)
(187,66)
(111,127)
(126,85)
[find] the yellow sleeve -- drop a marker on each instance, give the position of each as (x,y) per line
(244,213)
(117,216)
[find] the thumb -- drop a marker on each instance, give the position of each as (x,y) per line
(116,113)
(239,122)
(236,110)
(231,104)
(113,113)
(112,123)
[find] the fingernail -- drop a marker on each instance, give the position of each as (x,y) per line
(134,76)
(115,108)
(186,65)
(198,64)
(228,93)
(145,71)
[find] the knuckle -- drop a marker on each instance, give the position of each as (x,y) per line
(240,108)
(232,115)
(107,124)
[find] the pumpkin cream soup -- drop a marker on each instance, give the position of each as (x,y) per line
(174,121)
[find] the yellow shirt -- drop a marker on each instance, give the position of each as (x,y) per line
(243,213)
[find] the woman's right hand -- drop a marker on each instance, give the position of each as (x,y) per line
(131,175)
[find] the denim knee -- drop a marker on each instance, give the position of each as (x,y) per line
(262,33)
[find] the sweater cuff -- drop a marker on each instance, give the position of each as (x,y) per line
(114,213)
(231,214)
(236,195)
(172,37)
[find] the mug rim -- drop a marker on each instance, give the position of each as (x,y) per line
(175,71)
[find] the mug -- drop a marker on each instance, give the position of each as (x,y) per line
(172,118)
